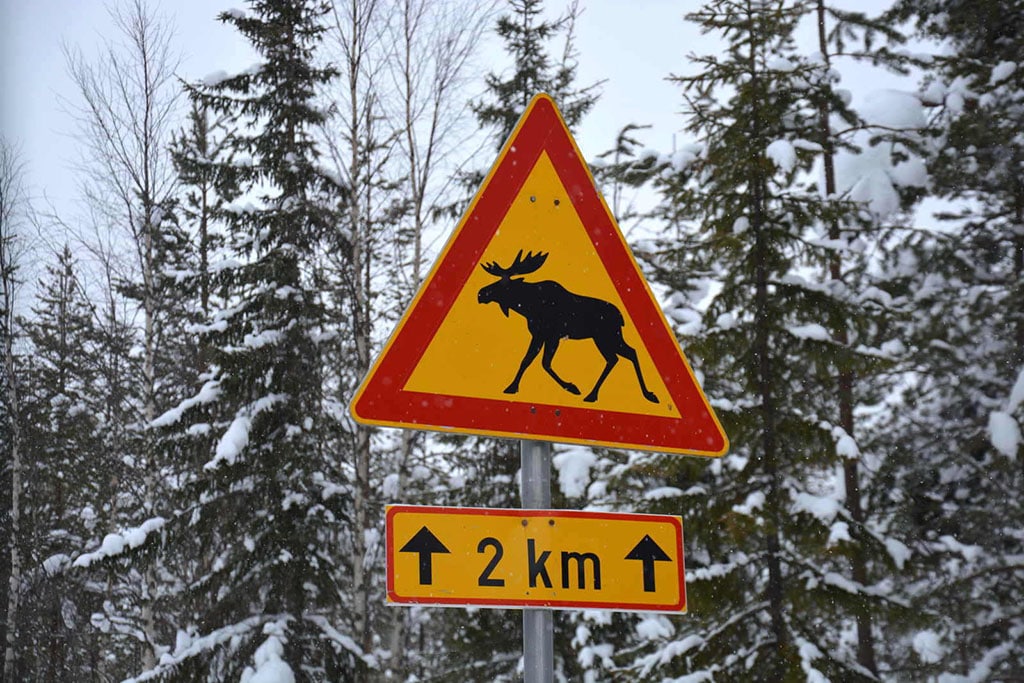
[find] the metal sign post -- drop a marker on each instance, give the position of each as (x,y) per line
(538,624)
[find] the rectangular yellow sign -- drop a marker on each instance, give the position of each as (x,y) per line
(535,558)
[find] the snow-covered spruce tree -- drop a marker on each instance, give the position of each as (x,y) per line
(856,311)
(69,479)
(167,368)
(268,593)
(151,591)
(114,485)
(961,473)
(134,594)
(774,547)
(487,644)
(202,155)
(198,152)
(526,35)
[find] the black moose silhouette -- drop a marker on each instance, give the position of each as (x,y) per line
(552,314)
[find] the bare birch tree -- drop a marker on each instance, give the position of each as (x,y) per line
(433,45)
(360,149)
(395,142)
(12,205)
(129,107)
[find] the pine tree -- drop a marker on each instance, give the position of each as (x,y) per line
(526,35)
(773,535)
(960,471)
(268,592)
(68,472)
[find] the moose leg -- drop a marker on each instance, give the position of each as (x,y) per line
(549,352)
(531,353)
(610,360)
(629,353)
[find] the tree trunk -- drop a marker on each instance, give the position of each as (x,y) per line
(769,445)
(844,389)
(14,585)
(10,198)
(765,385)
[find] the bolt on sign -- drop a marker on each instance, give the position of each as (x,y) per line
(536,322)
(534,558)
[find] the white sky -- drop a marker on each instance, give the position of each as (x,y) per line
(632,44)
(33,73)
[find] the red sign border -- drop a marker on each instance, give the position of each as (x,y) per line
(390,543)
(381,400)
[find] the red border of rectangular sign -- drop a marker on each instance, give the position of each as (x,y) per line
(393,597)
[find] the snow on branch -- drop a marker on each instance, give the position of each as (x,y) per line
(115,544)
(808,653)
(1004,433)
(810,331)
(208,394)
(1016,394)
(928,646)
(824,508)
(268,658)
(339,638)
(216,78)
(783,155)
(236,438)
(1002,71)
(868,171)
(663,492)
(678,648)
(1003,429)
(573,465)
(191,647)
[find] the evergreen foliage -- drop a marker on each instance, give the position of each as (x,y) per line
(525,35)
(780,550)
(194,502)
(271,568)
(960,466)
(70,492)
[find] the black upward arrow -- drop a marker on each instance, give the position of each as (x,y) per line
(648,552)
(426,544)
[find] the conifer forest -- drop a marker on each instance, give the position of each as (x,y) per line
(185,495)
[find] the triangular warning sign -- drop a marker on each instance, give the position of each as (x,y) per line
(535,322)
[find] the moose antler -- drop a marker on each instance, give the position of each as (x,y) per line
(521,266)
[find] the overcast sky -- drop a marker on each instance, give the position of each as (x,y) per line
(631,44)
(34,76)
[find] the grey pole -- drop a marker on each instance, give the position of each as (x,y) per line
(538,625)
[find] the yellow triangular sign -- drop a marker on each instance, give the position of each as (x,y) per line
(535,322)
